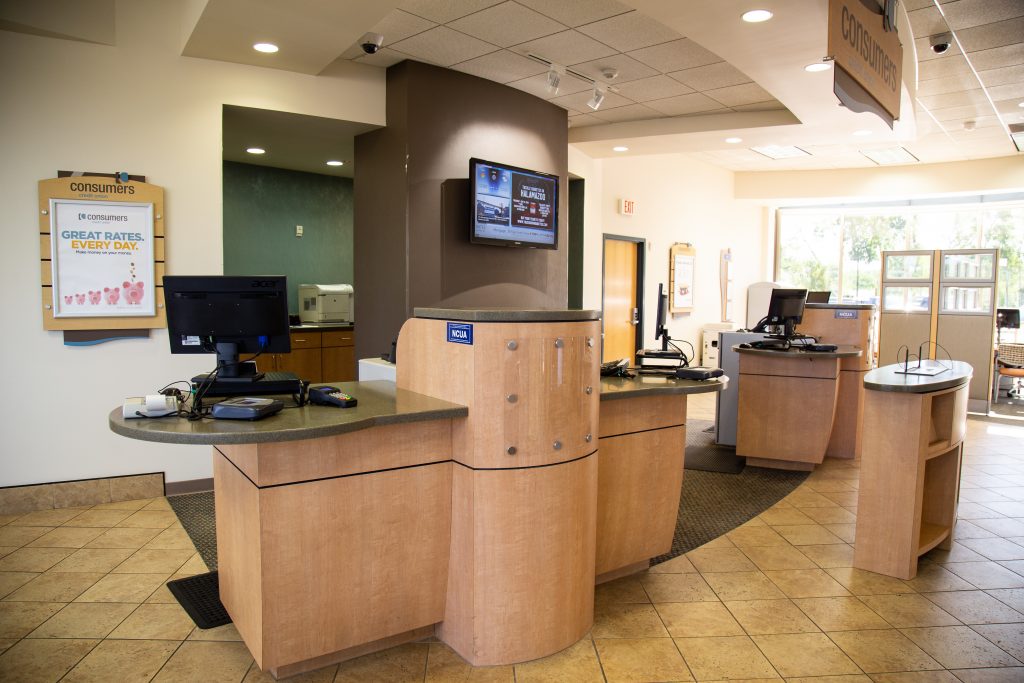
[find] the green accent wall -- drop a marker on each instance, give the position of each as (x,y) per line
(263,205)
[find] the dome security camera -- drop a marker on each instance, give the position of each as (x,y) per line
(371,42)
(940,43)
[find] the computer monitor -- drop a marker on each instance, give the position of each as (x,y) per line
(786,308)
(818,297)
(660,327)
(1008,318)
(228,315)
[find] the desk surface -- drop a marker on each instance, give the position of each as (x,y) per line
(506,315)
(887,378)
(613,388)
(794,352)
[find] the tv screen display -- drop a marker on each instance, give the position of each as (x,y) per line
(511,206)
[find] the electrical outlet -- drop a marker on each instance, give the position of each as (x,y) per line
(298,231)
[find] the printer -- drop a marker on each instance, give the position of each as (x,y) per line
(326,304)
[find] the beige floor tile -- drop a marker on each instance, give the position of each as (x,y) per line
(763,617)
(846,532)
(226,633)
(860,582)
(7,519)
(48,517)
(83,620)
(123,538)
(789,515)
(744,586)
(755,535)
(831,515)
(975,607)
(1009,637)
(92,560)
(932,577)
(1003,526)
(914,677)
(958,647)
(162,595)
(626,589)
(207,662)
(55,587)
(123,588)
(698,619)
(99,518)
(957,553)
(841,497)
(66,537)
(883,651)
(122,505)
(29,661)
(575,664)
(728,657)
(6,643)
(677,588)
(909,610)
(806,583)
(155,622)
(805,498)
(677,565)
(171,538)
(444,665)
(648,659)
(194,565)
(997,549)
(149,519)
(33,559)
(807,534)
(324,675)
(158,504)
(722,541)
(12,581)
(826,485)
(145,561)
(18,619)
(778,557)
(6,550)
(403,663)
(1004,675)
(980,574)
(720,560)
(840,614)
(1013,597)
(133,660)
(832,555)
(627,621)
(805,654)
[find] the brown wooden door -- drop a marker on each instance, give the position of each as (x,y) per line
(619,301)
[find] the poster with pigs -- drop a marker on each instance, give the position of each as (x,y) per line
(102,258)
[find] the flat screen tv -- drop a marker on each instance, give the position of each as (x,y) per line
(511,206)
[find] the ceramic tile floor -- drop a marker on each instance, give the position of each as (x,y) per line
(83,599)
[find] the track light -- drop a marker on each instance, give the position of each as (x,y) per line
(595,101)
(554,78)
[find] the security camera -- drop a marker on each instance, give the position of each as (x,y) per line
(940,43)
(371,42)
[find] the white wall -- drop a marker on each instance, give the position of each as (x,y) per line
(142,108)
(680,199)
(590,170)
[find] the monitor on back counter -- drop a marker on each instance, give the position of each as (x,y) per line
(511,206)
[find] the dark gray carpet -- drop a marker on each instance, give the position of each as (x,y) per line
(703,454)
(712,504)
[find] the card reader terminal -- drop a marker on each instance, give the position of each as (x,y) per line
(331,396)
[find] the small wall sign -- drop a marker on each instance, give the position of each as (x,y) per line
(460,333)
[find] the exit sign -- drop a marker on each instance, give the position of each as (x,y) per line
(627,207)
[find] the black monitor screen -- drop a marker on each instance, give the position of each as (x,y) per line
(786,308)
(227,315)
(818,297)
(660,328)
(1008,318)
(511,206)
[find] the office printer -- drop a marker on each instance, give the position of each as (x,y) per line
(326,304)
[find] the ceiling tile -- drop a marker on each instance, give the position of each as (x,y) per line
(383,58)
(912,5)
(768,105)
(967,13)
(654,88)
(992,35)
(675,56)
(507,24)
(566,48)
(925,53)
(628,69)
(712,76)
(538,85)
(953,65)
(502,66)
(736,95)
(581,120)
(940,86)
(1008,91)
(1010,108)
(578,101)
(927,22)
(630,31)
(1004,76)
(693,103)
(970,111)
(577,12)
(443,11)
(998,57)
(630,112)
(441,45)
(399,25)
(955,99)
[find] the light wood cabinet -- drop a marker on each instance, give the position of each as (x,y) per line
(316,356)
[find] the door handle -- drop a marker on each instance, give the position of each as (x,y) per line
(636,317)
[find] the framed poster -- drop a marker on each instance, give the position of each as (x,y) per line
(102,258)
(682,258)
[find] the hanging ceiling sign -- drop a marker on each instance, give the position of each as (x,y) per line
(866,52)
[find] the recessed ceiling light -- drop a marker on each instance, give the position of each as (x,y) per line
(756,16)
(861,133)
(620,148)
(335,162)
(818,66)
(256,150)
(1020,104)
(890,155)
(733,141)
(781,151)
(269,48)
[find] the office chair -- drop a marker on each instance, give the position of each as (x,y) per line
(1009,363)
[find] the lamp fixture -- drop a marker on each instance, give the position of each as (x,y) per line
(756,16)
(781,151)
(598,98)
(890,156)
(610,73)
(734,141)
(256,150)
(335,162)
(269,48)
(620,148)
(554,78)
(818,66)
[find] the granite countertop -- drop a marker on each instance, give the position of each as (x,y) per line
(311,327)
(794,352)
(507,315)
(380,403)
(886,378)
(613,388)
(845,307)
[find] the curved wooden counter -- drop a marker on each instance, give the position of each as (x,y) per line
(787,405)
(914,427)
